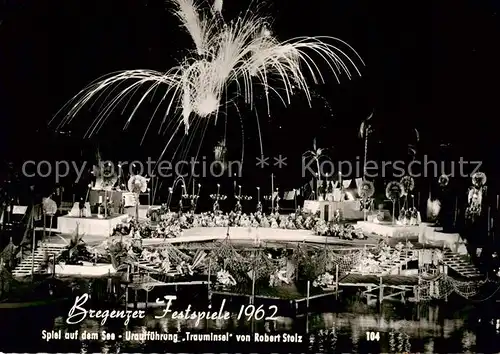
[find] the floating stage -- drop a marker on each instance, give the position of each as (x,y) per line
(258,235)
(92,226)
(389,229)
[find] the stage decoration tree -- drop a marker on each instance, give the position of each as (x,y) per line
(76,250)
(228,56)
(394,191)
(365,129)
(106,179)
(220,152)
(408,183)
(137,184)
(49,209)
(316,155)
(475,196)
(8,255)
(443,181)
(479,180)
(407,213)
(366,191)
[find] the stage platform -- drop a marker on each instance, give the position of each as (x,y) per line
(92,226)
(205,234)
(143,210)
(389,230)
(435,238)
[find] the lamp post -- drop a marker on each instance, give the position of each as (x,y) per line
(259,203)
(269,198)
(272,189)
(277,208)
(193,198)
(239,197)
(216,198)
(170,191)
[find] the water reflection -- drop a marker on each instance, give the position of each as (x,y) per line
(426,329)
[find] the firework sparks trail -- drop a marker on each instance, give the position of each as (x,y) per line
(240,54)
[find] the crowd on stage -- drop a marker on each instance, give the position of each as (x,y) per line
(169,224)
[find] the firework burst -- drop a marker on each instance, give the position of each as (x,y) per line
(228,60)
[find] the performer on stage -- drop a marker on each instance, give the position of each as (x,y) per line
(238,208)
(181,206)
(216,207)
(81,205)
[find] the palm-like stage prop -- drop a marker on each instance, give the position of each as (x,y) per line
(49,209)
(317,155)
(365,129)
(73,245)
(8,254)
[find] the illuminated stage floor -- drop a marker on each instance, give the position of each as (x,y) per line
(93,226)
(389,230)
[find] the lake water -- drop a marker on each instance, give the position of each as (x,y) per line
(401,328)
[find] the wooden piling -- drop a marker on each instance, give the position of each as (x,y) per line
(336,282)
(252,299)
(308,294)
(489,221)
(381,291)
(208,280)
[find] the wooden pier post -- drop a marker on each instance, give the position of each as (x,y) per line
(308,294)
(445,272)
(381,291)
(147,299)
(208,280)
(126,286)
(336,282)
(489,221)
(252,299)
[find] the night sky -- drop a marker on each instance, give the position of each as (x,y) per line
(433,66)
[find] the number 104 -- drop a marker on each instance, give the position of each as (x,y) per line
(372,336)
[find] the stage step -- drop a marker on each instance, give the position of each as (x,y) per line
(38,258)
(460,265)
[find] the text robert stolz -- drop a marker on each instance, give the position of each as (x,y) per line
(78,313)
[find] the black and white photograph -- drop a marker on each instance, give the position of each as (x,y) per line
(251,176)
